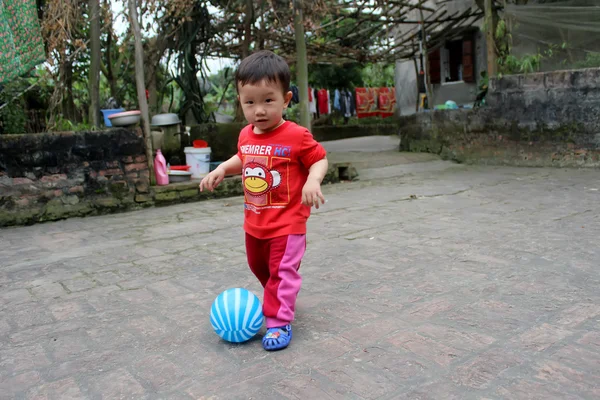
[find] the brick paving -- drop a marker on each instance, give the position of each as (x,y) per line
(429,281)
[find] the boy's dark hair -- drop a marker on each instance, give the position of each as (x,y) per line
(263,65)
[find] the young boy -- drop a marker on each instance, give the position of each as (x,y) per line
(282,169)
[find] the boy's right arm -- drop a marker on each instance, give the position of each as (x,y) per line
(232,166)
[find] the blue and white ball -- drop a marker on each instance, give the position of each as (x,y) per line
(236,315)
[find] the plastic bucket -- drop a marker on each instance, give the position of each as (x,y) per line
(198,159)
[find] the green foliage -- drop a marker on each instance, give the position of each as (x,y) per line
(64,125)
(123,88)
(26,100)
(345,32)
(508,63)
(378,75)
(524,65)
(26,107)
(592,60)
(293,113)
(501,29)
(190,40)
(548,55)
(335,76)
(484,81)
(222,92)
(13,116)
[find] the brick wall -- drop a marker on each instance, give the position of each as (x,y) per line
(52,176)
(544,119)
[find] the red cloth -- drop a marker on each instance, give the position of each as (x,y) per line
(366,102)
(275,168)
(323,101)
(387,102)
(310,94)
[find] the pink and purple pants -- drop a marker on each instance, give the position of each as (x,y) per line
(276,262)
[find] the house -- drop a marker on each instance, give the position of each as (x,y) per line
(456,54)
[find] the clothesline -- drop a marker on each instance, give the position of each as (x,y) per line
(361,102)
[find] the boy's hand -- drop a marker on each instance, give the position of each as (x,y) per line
(311,193)
(212,180)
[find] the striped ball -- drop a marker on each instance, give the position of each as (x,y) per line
(236,315)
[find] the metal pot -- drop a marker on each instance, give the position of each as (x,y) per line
(179,176)
(165,119)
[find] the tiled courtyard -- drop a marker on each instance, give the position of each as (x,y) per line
(426,281)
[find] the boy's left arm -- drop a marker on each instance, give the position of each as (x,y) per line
(311,192)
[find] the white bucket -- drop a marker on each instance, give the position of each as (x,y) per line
(198,159)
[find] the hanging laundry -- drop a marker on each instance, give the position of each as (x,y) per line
(366,102)
(21,44)
(295,95)
(312,104)
(336,100)
(323,101)
(387,102)
(315,92)
(347,105)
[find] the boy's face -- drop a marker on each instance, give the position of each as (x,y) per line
(263,104)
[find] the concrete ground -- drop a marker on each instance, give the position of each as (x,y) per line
(424,280)
(375,153)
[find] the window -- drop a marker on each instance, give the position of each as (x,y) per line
(454,62)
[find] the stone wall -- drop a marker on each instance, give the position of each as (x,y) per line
(544,119)
(222,138)
(53,176)
(47,177)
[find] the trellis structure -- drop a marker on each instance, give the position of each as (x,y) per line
(341,31)
(402,23)
(383,31)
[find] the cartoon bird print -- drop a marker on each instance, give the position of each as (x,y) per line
(259,180)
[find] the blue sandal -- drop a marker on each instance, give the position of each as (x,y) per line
(277,338)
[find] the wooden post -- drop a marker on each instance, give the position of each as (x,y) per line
(424,51)
(94,15)
(417,76)
(141,88)
(301,65)
(492,57)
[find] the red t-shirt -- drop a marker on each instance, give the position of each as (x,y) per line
(274,171)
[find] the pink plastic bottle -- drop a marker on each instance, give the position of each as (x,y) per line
(160,169)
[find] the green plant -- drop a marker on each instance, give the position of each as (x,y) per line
(64,125)
(529,63)
(592,60)
(508,63)
(334,75)
(378,75)
(503,39)
(222,92)
(13,116)
(293,113)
